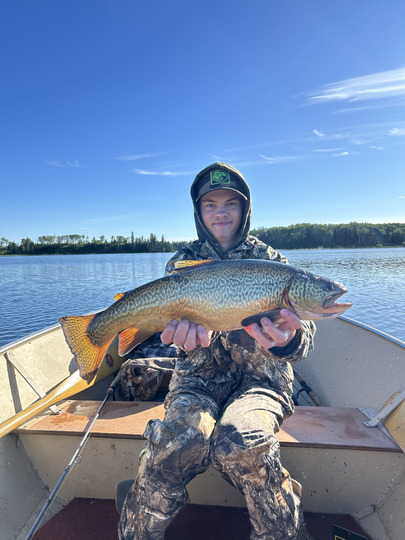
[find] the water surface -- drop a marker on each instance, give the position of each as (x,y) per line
(375,279)
(36,290)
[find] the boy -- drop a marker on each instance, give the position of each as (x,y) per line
(229,392)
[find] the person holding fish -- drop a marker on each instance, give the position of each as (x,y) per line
(230,390)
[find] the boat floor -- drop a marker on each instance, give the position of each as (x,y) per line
(97,519)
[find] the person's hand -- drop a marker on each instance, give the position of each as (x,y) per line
(275,335)
(187,334)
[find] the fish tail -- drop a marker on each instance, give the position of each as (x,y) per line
(87,355)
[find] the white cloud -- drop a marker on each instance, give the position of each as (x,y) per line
(158,173)
(372,106)
(74,163)
(358,135)
(318,133)
(345,154)
(134,157)
(216,158)
(327,150)
(56,163)
(401,197)
(347,135)
(397,131)
(377,86)
(377,147)
(278,159)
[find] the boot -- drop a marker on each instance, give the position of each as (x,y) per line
(303,534)
(121,492)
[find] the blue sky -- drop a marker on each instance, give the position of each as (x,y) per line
(109,109)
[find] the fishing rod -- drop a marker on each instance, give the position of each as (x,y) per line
(110,392)
(307,389)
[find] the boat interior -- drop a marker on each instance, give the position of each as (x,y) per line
(353,476)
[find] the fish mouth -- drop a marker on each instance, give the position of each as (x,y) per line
(329,308)
(333,308)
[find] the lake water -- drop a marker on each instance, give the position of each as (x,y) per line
(36,291)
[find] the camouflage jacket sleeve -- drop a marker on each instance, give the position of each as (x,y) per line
(296,350)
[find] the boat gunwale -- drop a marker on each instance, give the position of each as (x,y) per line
(374,330)
(21,341)
(48,329)
(35,335)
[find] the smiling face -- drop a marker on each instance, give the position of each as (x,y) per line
(221,212)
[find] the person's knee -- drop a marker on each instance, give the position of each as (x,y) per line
(176,449)
(248,449)
(228,446)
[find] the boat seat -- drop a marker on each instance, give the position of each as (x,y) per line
(309,427)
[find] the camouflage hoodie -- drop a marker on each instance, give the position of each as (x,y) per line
(202,232)
(236,352)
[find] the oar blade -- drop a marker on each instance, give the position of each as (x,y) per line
(69,387)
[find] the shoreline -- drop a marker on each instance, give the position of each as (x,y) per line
(126,252)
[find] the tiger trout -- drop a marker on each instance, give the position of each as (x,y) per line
(220,295)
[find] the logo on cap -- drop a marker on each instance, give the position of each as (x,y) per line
(218,176)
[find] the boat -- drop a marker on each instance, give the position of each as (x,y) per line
(345,446)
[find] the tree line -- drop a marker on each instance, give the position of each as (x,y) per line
(300,236)
(80,244)
(344,235)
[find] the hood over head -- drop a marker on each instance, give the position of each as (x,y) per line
(221,176)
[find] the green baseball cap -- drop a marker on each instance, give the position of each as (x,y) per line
(220,176)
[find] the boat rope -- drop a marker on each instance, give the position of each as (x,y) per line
(76,456)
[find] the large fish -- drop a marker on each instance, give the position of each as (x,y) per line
(220,295)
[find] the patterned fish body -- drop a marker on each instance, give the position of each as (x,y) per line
(220,295)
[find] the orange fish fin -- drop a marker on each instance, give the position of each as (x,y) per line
(88,356)
(118,296)
(130,338)
(187,265)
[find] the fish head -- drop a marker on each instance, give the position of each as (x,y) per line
(314,298)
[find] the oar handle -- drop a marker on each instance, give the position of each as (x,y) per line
(70,386)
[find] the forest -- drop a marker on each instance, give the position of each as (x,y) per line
(299,236)
(344,235)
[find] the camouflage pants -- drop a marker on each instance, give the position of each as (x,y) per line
(240,442)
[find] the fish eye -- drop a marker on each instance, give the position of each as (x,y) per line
(329,286)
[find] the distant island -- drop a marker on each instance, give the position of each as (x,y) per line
(300,236)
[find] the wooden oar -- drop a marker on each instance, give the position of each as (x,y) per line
(67,388)
(392,415)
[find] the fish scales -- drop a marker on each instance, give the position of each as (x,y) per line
(220,295)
